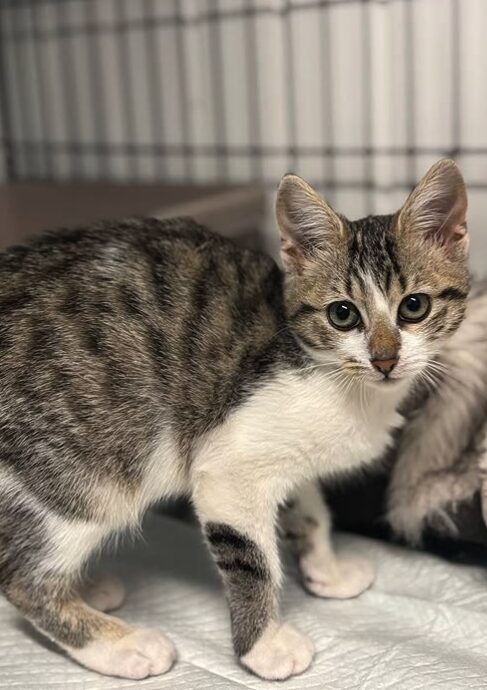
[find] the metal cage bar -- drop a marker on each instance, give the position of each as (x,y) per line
(22,152)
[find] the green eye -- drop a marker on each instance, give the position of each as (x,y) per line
(343,315)
(414,308)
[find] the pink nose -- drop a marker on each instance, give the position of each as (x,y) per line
(385,366)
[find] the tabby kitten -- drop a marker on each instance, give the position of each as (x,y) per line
(145,359)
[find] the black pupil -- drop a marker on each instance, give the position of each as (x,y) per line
(342,312)
(413,304)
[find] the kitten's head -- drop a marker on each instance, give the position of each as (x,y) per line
(376,297)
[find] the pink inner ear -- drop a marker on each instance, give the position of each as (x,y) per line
(290,253)
(458,232)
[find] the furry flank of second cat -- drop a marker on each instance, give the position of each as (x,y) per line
(145,359)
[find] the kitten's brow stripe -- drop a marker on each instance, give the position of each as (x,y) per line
(304,309)
(391,251)
(452,293)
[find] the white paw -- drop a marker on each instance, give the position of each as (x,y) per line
(281,652)
(142,653)
(105,593)
(346,578)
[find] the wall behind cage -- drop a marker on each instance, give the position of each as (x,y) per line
(358,97)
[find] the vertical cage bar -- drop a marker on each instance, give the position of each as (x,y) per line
(154,76)
(288,57)
(97,95)
(25,147)
(367,95)
(456,96)
(410,91)
(183,95)
(218,81)
(39,78)
(8,151)
(126,88)
(252,58)
(68,89)
(327,94)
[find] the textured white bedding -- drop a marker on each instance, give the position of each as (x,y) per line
(423,625)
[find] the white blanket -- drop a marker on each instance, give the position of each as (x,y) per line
(423,625)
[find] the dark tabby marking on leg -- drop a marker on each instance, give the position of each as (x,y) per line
(310,521)
(299,543)
(293,535)
(297,529)
(50,601)
(250,590)
(222,534)
(238,564)
(63,616)
(19,557)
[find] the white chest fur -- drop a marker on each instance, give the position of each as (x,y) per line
(299,427)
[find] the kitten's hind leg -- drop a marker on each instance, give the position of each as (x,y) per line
(100,642)
(306,526)
(40,556)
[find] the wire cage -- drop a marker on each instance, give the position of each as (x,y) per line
(357,96)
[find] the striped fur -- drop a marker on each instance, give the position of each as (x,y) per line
(251,596)
(145,359)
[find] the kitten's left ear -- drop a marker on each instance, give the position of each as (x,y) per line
(437,207)
(306,222)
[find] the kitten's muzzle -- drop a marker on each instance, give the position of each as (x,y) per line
(385,366)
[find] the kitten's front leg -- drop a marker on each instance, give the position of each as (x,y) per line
(238,520)
(306,525)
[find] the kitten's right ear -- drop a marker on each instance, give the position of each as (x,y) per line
(436,209)
(306,222)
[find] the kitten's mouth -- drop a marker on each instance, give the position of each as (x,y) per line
(387,381)
(363,373)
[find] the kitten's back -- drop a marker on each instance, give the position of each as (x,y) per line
(111,332)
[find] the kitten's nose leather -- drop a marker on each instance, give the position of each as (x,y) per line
(385,366)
